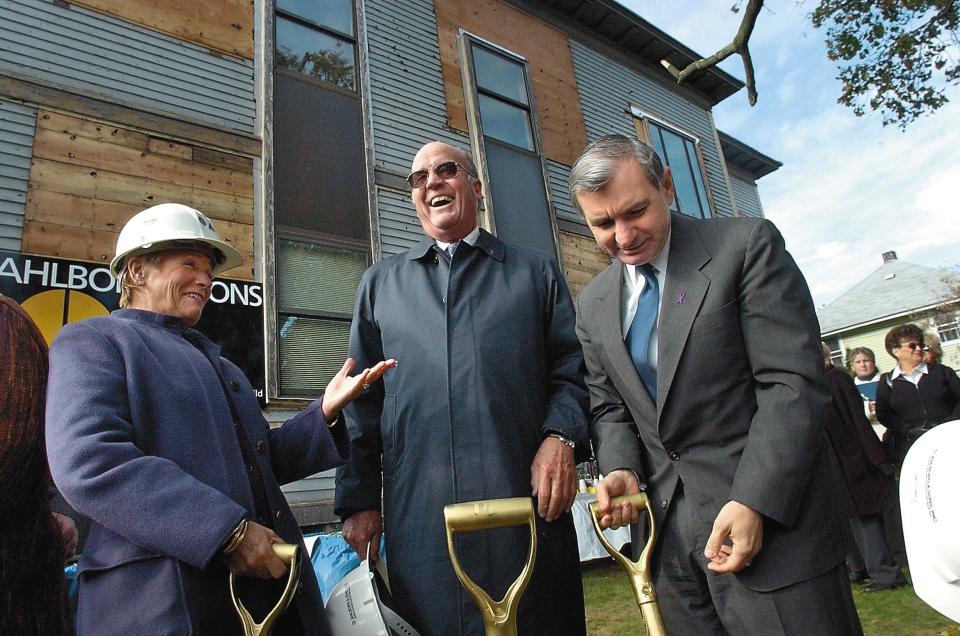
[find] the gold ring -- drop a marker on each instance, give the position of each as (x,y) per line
(365,386)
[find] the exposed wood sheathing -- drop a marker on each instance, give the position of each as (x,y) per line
(88,178)
(222,25)
(549,62)
(582,260)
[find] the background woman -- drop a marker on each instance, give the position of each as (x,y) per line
(32,585)
(863,363)
(916,395)
(162,444)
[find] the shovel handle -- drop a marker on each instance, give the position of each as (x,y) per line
(489,514)
(286,552)
(639,571)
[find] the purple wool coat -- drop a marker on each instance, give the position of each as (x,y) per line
(140,438)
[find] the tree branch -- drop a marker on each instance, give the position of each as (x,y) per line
(739,45)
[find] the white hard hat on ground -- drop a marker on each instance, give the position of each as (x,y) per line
(931,517)
(169,226)
(358,606)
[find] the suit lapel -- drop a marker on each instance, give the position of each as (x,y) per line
(684,290)
(611,336)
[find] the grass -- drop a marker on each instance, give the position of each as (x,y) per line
(612,610)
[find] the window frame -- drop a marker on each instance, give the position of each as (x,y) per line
(941,324)
(328,31)
(486,216)
(642,120)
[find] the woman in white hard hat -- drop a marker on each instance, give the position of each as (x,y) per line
(162,444)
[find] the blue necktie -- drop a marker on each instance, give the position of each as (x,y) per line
(638,336)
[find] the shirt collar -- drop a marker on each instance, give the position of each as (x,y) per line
(659,262)
(920,370)
(482,240)
(470,239)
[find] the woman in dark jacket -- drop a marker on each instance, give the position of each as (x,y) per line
(161,443)
(915,396)
(867,477)
(32,586)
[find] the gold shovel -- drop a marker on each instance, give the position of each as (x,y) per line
(639,571)
(287,553)
(499,617)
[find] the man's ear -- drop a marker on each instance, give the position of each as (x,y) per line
(134,268)
(478,188)
(668,190)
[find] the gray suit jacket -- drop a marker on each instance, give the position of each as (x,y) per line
(740,393)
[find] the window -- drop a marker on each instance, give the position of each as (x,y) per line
(315,298)
(321,221)
(948,329)
(505,136)
(502,97)
(317,39)
(836,351)
(681,153)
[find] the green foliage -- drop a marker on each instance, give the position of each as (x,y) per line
(893,55)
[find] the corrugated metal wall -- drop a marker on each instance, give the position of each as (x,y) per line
(407,102)
(94,54)
(607,89)
(746,195)
(17,126)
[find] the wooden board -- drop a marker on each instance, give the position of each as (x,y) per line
(87,178)
(81,244)
(582,260)
(549,63)
(222,25)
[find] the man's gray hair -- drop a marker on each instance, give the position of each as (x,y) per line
(599,161)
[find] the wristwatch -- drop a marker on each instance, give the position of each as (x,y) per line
(557,435)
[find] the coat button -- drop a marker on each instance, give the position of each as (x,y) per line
(444,300)
(279,514)
(675,456)
(262,446)
(249,468)
(663,504)
(234,385)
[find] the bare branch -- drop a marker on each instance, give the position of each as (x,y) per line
(739,45)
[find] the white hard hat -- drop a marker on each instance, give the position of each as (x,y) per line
(357,606)
(931,517)
(165,226)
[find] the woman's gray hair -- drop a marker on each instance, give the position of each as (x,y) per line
(598,163)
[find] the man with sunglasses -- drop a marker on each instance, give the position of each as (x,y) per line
(487,402)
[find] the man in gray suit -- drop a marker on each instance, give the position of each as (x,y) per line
(703,366)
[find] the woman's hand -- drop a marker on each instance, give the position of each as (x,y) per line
(344,388)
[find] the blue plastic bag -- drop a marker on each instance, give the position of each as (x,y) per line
(332,559)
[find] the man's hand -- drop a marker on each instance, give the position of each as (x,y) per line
(362,531)
(68,532)
(344,388)
(254,556)
(744,526)
(553,477)
(618,482)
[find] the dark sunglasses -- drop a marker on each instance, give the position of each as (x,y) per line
(913,346)
(446,171)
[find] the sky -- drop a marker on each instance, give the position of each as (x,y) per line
(850,188)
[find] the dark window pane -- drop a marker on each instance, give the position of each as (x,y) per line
(694,160)
(505,122)
(499,75)
(680,167)
(318,277)
(313,53)
(657,142)
(336,14)
(320,180)
(311,353)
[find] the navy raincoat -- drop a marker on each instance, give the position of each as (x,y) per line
(488,362)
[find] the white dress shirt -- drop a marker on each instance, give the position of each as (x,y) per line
(914,376)
(633,284)
(470,238)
